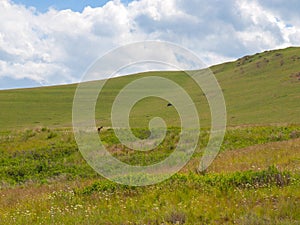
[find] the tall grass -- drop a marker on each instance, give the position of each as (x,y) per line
(46,181)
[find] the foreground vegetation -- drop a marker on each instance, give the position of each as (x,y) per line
(254,180)
(182,199)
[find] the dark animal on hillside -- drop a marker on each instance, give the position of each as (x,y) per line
(99,129)
(169,104)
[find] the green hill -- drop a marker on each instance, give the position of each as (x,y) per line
(255,178)
(260,89)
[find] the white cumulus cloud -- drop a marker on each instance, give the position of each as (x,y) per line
(56,47)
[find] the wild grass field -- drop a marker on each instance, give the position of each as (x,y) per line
(255,179)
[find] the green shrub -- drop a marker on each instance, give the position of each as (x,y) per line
(51,135)
(28,134)
(249,179)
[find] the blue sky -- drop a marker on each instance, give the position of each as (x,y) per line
(74,5)
(49,47)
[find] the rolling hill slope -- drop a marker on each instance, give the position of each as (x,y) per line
(260,89)
(255,179)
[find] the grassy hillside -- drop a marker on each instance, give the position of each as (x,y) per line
(255,179)
(259,89)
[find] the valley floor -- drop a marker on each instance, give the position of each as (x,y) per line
(254,180)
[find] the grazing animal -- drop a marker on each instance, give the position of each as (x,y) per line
(99,129)
(169,104)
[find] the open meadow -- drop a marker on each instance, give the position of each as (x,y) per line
(255,179)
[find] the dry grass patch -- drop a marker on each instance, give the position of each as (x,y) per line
(285,155)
